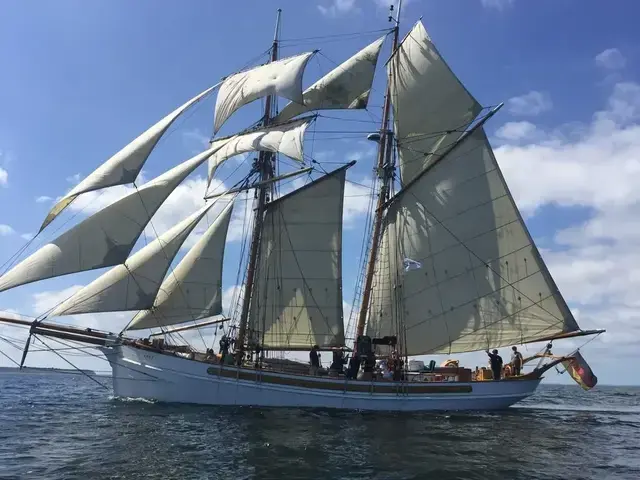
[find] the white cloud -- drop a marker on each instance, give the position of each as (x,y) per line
(517,131)
(338,7)
(530,104)
(27,236)
(6,230)
(74,179)
(4,177)
(497,4)
(45,301)
(43,199)
(596,167)
(611,59)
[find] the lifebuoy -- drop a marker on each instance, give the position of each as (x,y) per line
(507,370)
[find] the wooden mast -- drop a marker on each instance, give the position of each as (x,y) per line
(385,147)
(265,165)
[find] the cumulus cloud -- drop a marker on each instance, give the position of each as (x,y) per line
(530,104)
(595,167)
(497,4)
(337,8)
(4,177)
(516,131)
(611,59)
(6,230)
(43,199)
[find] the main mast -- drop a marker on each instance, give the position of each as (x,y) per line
(265,166)
(386,170)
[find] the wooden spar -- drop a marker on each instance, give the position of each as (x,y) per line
(561,336)
(60,328)
(384,155)
(262,183)
(189,327)
(266,173)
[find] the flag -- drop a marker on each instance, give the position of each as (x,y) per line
(580,371)
(411,265)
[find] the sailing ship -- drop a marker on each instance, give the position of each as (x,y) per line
(450,266)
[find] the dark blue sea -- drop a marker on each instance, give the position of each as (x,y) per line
(57,426)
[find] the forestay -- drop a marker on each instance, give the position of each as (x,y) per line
(194,289)
(345,87)
(287,139)
(135,284)
(282,78)
(458,269)
(431,108)
(105,238)
(124,166)
(297,300)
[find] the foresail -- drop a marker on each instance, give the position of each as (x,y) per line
(297,299)
(431,108)
(282,78)
(459,269)
(105,238)
(345,87)
(287,139)
(124,166)
(194,289)
(135,284)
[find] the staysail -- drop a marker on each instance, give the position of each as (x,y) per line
(345,87)
(431,107)
(194,289)
(124,166)
(134,284)
(282,78)
(458,268)
(286,138)
(297,300)
(105,238)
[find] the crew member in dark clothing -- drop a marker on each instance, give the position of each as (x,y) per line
(314,360)
(516,361)
(496,364)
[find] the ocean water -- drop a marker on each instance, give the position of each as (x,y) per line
(55,426)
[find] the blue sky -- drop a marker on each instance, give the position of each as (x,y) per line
(81,79)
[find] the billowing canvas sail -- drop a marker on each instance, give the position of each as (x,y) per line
(135,284)
(431,108)
(125,165)
(194,289)
(105,238)
(580,371)
(297,298)
(458,269)
(287,139)
(282,78)
(345,87)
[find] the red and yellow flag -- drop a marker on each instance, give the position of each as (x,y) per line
(580,371)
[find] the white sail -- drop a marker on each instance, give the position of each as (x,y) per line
(287,139)
(282,78)
(297,297)
(124,166)
(459,269)
(345,87)
(134,284)
(194,289)
(107,237)
(431,108)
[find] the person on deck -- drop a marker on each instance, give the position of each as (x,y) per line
(314,360)
(516,361)
(496,364)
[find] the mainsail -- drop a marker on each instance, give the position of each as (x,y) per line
(134,284)
(345,87)
(282,78)
(458,270)
(194,289)
(431,107)
(297,300)
(105,238)
(124,166)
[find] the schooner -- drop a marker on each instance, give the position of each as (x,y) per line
(451,266)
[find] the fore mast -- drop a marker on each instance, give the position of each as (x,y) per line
(265,165)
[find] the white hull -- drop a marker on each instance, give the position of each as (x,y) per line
(160,377)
